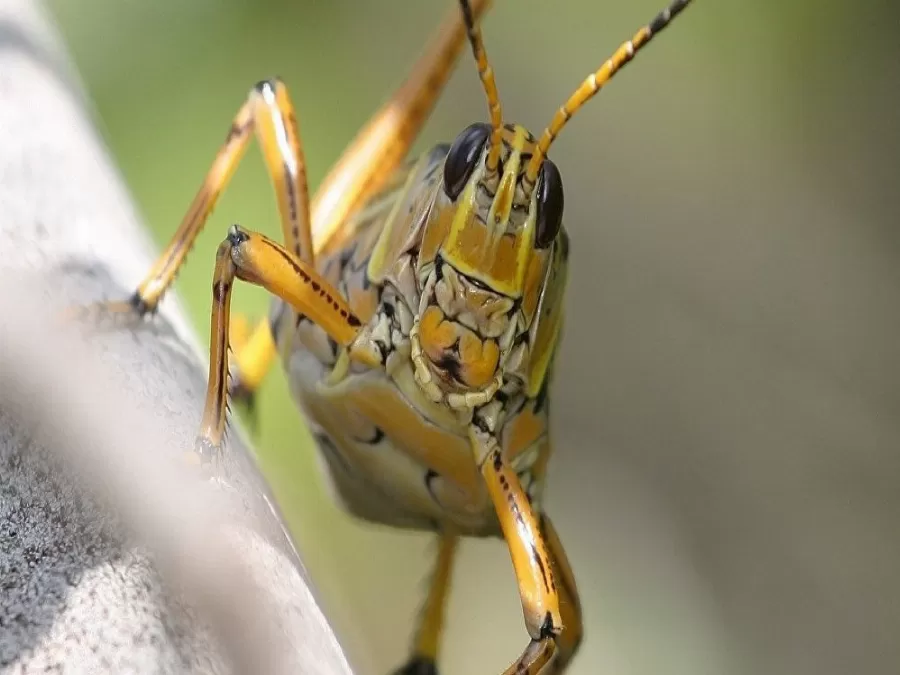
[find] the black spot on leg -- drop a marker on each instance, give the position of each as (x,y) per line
(547,628)
(292,195)
(299,271)
(236,236)
(234,131)
(351,319)
(139,305)
(536,556)
(220,291)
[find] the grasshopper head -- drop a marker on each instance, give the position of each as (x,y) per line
(483,263)
(492,260)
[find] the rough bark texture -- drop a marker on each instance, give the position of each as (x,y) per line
(114,558)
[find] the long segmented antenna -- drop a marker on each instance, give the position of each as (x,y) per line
(595,81)
(486,73)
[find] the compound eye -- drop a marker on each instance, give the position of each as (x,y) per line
(463,155)
(549,205)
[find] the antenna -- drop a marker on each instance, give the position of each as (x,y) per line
(595,81)
(486,73)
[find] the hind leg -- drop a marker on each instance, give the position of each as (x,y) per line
(267,113)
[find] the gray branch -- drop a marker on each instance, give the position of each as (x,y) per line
(115,555)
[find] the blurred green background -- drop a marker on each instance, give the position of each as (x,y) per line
(727,480)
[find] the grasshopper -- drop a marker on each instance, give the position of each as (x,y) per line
(418,310)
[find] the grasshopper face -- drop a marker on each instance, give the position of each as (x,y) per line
(483,265)
(493,258)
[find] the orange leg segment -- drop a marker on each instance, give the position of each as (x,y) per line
(569,640)
(546,584)
(531,562)
(269,113)
(256,259)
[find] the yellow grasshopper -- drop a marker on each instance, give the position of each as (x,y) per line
(418,309)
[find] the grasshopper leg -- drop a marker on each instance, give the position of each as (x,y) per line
(426,644)
(252,356)
(256,259)
(569,640)
(269,114)
(546,584)
(366,165)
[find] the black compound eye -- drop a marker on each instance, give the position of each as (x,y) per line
(549,205)
(463,154)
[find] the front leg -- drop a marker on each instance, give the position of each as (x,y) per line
(256,259)
(531,558)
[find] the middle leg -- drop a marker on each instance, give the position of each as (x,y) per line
(426,644)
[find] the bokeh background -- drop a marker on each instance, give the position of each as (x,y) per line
(727,476)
